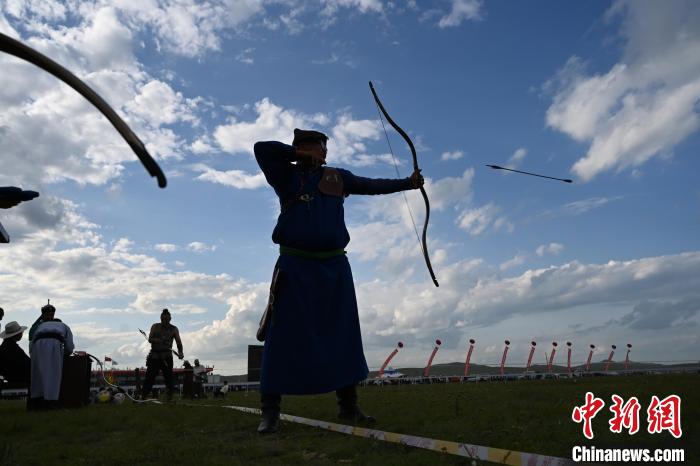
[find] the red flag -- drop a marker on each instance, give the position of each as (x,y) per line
(107,359)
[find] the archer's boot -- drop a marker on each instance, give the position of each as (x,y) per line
(347,407)
(270,407)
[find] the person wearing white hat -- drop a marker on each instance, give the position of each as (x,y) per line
(52,341)
(14,362)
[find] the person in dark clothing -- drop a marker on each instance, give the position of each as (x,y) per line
(51,344)
(35,325)
(187,381)
(311,327)
(15,365)
(161,356)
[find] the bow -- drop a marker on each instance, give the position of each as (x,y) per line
(18,49)
(415,168)
(146,337)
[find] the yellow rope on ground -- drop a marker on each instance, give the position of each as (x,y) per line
(477,452)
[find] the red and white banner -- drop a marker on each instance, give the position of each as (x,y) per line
(551,356)
(469,356)
(532,352)
(426,371)
(588,362)
(607,363)
(505,354)
(386,363)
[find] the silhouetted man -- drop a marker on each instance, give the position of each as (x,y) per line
(160,358)
(311,327)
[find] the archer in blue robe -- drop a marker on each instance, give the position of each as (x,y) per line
(313,343)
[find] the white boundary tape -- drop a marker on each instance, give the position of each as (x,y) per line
(477,452)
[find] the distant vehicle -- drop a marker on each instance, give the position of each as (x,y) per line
(392,373)
(389,377)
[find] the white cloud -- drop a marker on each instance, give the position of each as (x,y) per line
(198,246)
(453,155)
(477,221)
(551,248)
(202,146)
(347,143)
(331,7)
(166,247)
(159,104)
(585,205)
(67,138)
(87,334)
(188,27)
(369,240)
(644,105)
(519,259)
(443,193)
(517,157)
(234,178)
(326,61)
(43,9)
(272,123)
(462,10)
(246,56)
(574,284)
(389,237)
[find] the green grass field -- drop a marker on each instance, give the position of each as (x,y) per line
(529,416)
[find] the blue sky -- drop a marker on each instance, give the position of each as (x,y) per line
(602,92)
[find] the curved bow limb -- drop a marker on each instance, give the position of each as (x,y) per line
(24,52)
(403,134)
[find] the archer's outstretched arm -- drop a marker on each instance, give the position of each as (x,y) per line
(361,185)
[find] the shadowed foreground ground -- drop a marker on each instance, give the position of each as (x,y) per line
(530,416)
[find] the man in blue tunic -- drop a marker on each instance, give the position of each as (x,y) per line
(311,328)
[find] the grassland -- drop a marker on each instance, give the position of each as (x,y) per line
(531,416)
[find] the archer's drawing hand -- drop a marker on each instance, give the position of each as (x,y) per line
(417,180)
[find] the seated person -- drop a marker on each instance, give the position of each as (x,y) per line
(15,365)
(222,391)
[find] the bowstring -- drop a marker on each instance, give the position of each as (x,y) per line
(396,167)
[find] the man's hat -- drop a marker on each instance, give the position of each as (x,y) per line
(301,135)
(12,329)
